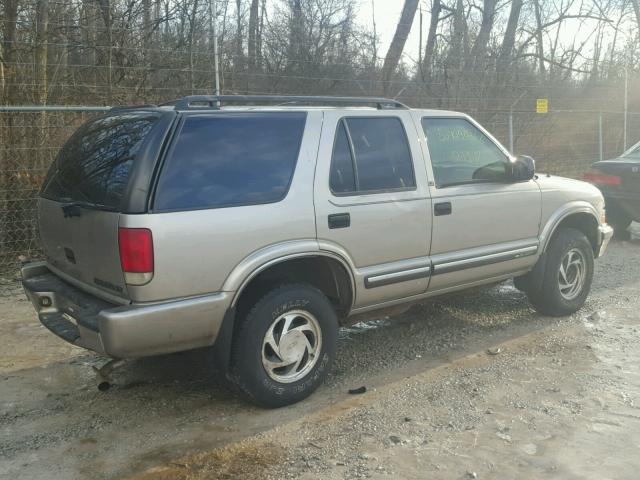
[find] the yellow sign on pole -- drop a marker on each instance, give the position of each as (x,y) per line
(542,105)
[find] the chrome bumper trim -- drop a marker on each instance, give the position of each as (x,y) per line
(605,233)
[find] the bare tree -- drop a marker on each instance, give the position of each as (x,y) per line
(397,44)
(509,39)
(429,48)
(476,58)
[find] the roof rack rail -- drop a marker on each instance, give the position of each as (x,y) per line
(132,107)
(197,102)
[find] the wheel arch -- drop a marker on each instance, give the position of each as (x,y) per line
(579,215)
(279,264)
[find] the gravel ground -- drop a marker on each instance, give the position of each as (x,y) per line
(474,385)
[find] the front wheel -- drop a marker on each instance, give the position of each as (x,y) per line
(285,345)
(568,273)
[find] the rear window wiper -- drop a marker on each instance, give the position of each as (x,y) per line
(70,205)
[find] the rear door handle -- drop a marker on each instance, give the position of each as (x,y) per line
(339,220)
(443,208)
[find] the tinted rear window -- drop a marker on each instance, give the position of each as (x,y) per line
(94,165)
(228,160)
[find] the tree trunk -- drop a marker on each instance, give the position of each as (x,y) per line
(296,36)
(239,55)
(636,8)
(252,53)
(539,39)
(253,33)
(41,50)
(430,48)
(509,40)
(397,44)
(10,15)
(41,89)
(476,60)
(105,9)
(192,33)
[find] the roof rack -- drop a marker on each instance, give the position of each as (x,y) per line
(132,107)
(213,102)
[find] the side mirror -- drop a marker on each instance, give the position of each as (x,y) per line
(523,168)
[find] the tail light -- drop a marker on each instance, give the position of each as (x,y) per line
(597,178)
(136,255)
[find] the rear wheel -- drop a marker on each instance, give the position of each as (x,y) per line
(568,273)
(285,345)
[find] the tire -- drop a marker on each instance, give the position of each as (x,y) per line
(618,219)
(261,364)
(556,295)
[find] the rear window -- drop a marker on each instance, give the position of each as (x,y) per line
(228,160)
(93,166)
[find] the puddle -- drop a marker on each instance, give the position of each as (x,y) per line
(363,327)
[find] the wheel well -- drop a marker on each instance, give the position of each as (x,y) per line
(584,222)
(326,274)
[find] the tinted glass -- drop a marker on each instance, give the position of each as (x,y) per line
(94,164)
(231,159)
(342,176)
(460,153)
(382,156)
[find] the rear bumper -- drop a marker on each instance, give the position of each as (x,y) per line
(134,330)
(605,233)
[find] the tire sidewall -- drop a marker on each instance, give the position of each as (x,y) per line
(248,371)
(566,240)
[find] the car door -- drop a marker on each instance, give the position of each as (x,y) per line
(372,201)
(485,226)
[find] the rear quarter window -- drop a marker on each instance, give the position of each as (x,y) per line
(230,159)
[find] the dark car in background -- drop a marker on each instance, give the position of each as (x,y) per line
(619,181)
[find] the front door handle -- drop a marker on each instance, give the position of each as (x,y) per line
(339,220)
(443,208)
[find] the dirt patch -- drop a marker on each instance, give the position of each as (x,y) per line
(247,460)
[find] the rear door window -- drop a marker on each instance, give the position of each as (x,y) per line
(93,166)
(371,154)
(230,159)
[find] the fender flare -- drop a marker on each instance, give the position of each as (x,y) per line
(267,257)
(568,209)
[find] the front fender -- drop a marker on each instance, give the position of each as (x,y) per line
(556,218)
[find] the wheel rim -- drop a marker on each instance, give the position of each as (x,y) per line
(572,274)
(291,346)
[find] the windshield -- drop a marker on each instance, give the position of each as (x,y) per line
(633,151)
(93,166)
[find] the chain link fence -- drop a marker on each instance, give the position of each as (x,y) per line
(562,142)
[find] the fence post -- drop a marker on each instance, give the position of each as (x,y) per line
(511,131)
(600,136)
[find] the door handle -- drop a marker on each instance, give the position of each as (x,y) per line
(443,208)
(339,220)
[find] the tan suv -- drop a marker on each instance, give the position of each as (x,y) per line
(258,231)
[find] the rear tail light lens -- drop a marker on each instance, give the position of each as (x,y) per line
(597,178)
(136,255)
